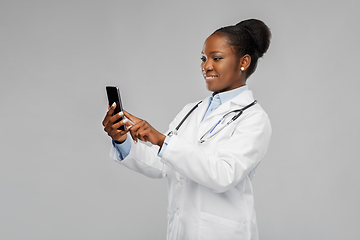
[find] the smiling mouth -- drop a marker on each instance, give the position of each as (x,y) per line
(210,77)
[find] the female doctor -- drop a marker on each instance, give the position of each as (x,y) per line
(212,148)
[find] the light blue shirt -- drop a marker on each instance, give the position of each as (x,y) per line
(125,147)
(226,96)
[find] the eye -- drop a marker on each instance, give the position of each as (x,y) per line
(203,59)
(217,58)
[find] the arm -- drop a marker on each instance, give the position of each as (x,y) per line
(138,157)
(142,159)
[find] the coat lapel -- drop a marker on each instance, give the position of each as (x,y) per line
(201,111)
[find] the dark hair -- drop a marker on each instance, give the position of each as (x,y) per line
(251,37)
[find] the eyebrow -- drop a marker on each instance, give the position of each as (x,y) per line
(212,52)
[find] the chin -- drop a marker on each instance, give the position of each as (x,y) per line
(210,88)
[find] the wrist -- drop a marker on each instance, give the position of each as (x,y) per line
(161,140)
(120,140)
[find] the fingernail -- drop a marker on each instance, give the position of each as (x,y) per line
(114,104)
(125,120)
(121,113)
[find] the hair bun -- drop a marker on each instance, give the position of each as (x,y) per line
(250,37)
(259,32)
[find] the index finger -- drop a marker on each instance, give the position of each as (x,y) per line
(132,118)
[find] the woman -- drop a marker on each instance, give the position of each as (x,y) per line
(209,163)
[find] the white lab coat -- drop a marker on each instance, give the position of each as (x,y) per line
(209,184)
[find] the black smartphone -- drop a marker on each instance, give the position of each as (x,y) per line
(113,94)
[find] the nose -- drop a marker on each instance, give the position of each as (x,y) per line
(207,66)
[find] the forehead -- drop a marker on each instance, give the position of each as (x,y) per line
(216,43)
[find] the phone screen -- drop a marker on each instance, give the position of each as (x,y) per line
(113,94)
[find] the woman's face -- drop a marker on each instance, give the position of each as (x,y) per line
(220,66)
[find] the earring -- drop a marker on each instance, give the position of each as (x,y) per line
(242,68)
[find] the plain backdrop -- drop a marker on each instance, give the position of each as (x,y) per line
(56,57)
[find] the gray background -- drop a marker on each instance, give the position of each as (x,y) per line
(56,57)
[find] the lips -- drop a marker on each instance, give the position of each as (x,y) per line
(210,77)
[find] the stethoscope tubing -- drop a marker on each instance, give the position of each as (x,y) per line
(240,111)
(187,115)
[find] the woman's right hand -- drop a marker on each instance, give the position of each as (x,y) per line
(112,128)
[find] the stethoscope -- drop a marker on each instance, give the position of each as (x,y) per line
(217,127)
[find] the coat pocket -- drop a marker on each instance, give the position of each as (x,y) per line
(215,228)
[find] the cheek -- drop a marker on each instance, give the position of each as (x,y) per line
(225,67)
(230,70)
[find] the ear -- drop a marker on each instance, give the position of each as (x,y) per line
(244,62)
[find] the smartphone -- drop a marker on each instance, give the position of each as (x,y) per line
(113,95)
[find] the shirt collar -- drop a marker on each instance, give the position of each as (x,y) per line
(228,95)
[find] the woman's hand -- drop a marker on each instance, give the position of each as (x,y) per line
(112,127)
(144,131)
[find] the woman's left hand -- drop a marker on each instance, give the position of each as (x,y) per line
(144,131)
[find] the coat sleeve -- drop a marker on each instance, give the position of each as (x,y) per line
(142,159)
(231,163)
